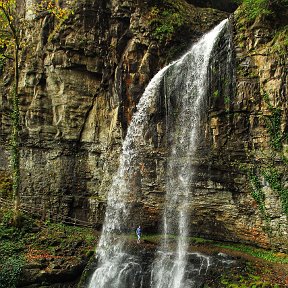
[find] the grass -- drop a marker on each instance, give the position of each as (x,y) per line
(157,238)
(268,255)
(249,280)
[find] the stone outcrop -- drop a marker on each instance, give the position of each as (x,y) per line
(79,89)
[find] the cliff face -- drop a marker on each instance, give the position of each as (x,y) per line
(78,91)
(80,86)
(247,131)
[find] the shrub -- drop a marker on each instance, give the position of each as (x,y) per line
(255,8)
(10,270)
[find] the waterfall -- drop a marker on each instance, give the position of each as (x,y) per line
(188,91)
(115,265)
(185,80)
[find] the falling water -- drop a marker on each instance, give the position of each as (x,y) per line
(188,91)
(116,267)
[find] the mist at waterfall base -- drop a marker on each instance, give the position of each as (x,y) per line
(171,266)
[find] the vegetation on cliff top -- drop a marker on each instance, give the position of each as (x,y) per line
(255,8)
(174,24)
(166,18)
(271,13)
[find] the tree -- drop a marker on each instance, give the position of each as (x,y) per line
(11,25)
(10,43)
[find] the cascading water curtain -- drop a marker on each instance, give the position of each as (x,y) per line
(117,268)
(186,83)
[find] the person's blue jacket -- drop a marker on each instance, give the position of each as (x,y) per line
(138,231)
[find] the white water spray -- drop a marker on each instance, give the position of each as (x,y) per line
(186,80)
(189,90)
(115,265)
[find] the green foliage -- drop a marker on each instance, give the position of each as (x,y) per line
(165,22)
(267,255)
(255,8)
(10,270)
(277,138)
(6,218)
(248,276)
(8,31)
(65,236)
(14,143)
(227,100)
(280,41)
(7,221)
(216,94)
(11,251)
(6,35)
(273,177)
(5,185)
(273,125)
(11,242)
(247,281)
(10,41)
(36,241)
(53,7)
(257,193)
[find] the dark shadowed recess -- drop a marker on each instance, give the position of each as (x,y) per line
(223,5)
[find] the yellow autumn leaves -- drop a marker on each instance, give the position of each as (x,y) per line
(53,7)
(7,4)
(11,22)
(7,29)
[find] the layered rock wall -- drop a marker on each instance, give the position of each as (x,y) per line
(248,135)
(79,86)
(80,82)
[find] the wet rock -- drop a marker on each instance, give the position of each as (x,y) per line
(54,274)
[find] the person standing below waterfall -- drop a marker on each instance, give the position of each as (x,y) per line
(138,233)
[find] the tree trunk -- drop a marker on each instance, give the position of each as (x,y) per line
(15,140)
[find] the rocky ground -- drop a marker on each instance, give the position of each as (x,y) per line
(54,255)
(44,254)
(253,271)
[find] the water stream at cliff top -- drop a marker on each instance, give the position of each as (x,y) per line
(184,79)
